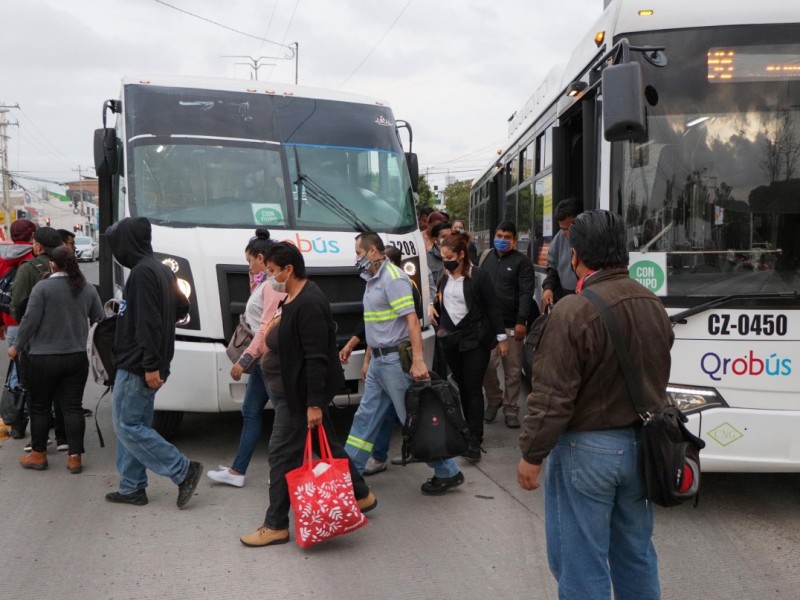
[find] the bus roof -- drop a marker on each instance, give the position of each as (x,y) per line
(623,17)
(251,86)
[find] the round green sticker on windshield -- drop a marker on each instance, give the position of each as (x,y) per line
(649,274)
(268,216)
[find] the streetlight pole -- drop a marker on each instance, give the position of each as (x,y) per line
(4,166)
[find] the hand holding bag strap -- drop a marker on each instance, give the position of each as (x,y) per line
(324,446)
(633,379)
(308,453)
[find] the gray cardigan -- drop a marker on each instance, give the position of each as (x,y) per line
(56,321)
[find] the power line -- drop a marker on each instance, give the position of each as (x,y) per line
(376,44)
(285,35)
(191,14)
(269,24)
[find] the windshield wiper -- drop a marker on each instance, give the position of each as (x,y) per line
(328,200)
(685,314)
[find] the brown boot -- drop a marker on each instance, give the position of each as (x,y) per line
(74,465)
(34,460)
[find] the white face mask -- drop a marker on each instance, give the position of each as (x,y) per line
(278,286)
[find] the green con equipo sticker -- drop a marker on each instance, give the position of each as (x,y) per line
(266,214)
(650,269)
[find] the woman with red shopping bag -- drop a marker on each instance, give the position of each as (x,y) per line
(303,373)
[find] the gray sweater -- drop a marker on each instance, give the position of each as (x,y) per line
(56,321)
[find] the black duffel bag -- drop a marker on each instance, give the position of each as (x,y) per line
(12,402)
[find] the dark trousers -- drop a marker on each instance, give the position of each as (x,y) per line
(286,446)
(468,369)
(439,365)
(57,379)
(56,418)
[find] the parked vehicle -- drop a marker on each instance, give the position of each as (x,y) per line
(86,249)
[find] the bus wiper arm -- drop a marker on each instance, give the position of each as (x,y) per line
(329,201)
(685,314)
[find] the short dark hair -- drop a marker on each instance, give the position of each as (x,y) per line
(599,239)
(284,254)
(370,238)
(434,231)
(65,235)
(507,226)
(425,210)
(394,254)
(566,209)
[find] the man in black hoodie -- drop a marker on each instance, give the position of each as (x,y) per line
(143,348)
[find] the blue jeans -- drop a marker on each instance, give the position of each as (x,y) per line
(380,451)
(599,526)
(386,385)
(139,446)
(255,399)
(11,336)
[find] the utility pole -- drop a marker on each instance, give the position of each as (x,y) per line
(4,165)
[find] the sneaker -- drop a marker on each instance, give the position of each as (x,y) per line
(490,414)
(187,487)
(436,486)
(223,475)
(374,466)
(512,421)
(34,460)
(28,447)
(367,503)
(137,498)
(74,464)
(62,446)
(398,460)
(264,536)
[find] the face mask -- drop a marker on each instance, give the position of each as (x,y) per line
(363,263)
(502,245)
(451,265)
(278,286)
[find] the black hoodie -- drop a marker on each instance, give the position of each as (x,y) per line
(151,304)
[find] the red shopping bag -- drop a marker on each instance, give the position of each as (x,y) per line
(321,493)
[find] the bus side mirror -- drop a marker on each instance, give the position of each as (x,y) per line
(106,155)
(623,103)
(413,170)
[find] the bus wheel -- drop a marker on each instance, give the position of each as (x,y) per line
(167,422)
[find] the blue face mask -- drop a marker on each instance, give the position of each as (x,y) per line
(502,245)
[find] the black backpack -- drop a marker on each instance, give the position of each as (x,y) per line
(6,282)
(434,427)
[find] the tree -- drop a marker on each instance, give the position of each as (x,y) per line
(456,200)
(426,195)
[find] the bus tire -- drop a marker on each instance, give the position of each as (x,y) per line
(167,422)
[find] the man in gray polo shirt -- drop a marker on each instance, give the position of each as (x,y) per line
(391,325)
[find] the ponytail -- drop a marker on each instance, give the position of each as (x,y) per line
(65,260)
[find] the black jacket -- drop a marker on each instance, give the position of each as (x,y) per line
(512,276)
(151,304)
(483,321)
(310,368)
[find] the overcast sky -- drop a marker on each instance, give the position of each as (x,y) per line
(455,69)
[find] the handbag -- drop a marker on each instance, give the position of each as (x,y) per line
(12,402)
(670,456)
(321,495)
(240,340)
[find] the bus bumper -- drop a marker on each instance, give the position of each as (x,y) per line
(747,440)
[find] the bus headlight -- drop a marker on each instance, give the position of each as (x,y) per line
(693,399)
(185,287)
(185,280)
(410,268)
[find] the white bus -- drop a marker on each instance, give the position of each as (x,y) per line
(207,161)
(683,117)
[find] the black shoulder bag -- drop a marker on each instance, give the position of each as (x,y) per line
(670,456)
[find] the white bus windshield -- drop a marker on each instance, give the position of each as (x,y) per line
(200,158)
(717,183)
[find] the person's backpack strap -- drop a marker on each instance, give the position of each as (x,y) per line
(484,254)
(452,411)
(41,268)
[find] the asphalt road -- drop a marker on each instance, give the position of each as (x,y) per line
(61,540)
